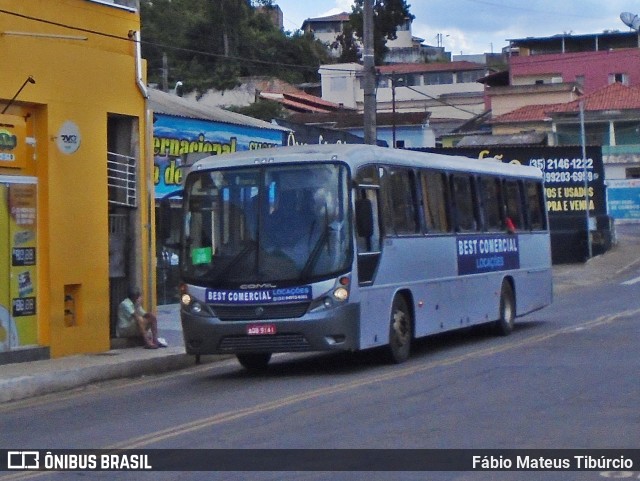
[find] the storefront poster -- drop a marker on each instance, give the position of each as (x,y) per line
(179,140)
(18,256)
(12,141)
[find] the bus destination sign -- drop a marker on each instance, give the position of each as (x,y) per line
(258,296)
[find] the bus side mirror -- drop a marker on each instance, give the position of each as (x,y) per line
(164,222)
(364,218)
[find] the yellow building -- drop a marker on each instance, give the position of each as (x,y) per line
(76,207)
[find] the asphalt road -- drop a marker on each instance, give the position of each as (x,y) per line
(567,378)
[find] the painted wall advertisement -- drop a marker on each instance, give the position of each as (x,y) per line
(18,262)
(178,140)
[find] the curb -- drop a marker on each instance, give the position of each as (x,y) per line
(22,387)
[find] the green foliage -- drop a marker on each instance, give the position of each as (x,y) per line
(388,15)
(348,43)
(263,110)
(210,44)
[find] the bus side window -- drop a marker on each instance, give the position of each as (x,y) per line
(403,202)
(464,201)
(513,203)
(490,190)
(535,205)
(434,201)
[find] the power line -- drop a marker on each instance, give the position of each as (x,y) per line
(503,6)
(130,39)
(159,45)
(437,99)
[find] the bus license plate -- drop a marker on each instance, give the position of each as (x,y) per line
(261,330)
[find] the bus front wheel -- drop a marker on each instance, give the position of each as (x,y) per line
(254,362)
(504,324)
(400,331)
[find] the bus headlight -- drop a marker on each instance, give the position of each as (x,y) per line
(194,306)
(341,294)
(330,299)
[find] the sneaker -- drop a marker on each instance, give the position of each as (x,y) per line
(162,342)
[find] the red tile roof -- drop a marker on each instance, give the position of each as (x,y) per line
(528,113)
(612,97)
(301,101)
(311,99)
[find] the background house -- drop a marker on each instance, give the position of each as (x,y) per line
(407,129)
(404,48)
(592,61)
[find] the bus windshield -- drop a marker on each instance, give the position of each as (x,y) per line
(266,224)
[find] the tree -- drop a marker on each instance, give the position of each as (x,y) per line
(388,15)
(262,109)
(210,44)
(349,47)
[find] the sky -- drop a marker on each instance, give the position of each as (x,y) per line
(484,26)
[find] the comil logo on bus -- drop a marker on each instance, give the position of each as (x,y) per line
(23,460)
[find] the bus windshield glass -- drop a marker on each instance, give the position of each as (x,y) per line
(266,224)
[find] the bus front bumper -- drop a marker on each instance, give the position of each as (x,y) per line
(337,329)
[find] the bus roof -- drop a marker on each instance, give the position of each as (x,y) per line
(357,155)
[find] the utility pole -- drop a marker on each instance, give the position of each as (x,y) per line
(393,109)
(368,61)
(583,142)
(165,72)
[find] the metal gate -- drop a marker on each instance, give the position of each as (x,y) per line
(118,265)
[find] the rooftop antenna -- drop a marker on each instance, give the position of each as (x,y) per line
(631,20)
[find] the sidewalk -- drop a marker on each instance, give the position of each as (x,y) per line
(24,380)
(27,379)
(623,257)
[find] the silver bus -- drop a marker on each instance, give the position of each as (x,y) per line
(351,247)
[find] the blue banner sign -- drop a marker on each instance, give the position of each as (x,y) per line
(487,253)
(623,199)
(258,296)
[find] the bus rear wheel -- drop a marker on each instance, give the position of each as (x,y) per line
(504,324)
(400,331)
(254,362)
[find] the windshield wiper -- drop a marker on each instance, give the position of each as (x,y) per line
(317,248)
(235,259)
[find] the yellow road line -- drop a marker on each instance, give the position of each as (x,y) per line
(151,438)
(221,418)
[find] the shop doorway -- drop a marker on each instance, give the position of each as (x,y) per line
(122,174)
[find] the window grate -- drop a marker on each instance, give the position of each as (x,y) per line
(121,179)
